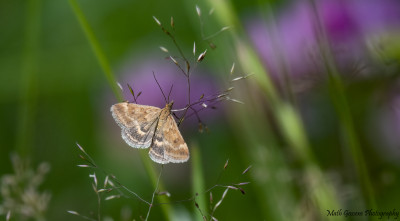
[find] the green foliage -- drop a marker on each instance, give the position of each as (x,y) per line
(318,150)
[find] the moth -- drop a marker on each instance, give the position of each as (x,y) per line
(145,126)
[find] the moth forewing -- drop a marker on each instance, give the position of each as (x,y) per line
(168,145)
(137,123)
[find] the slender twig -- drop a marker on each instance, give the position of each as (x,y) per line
(195,112)
(186,73)
(133,93)
(154,193)
(98,205)
(178,65)
(233,186)
(215,34)
(131,192)
(201,21)
(184,114)
(198,208)
(80,215)
(112,177)
(176,44)
(207,99)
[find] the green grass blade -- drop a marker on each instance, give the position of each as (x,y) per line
(166,208)
(101,57)
(29,90)
(198,185)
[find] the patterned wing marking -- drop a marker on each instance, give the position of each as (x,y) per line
(168,144)
(137,122)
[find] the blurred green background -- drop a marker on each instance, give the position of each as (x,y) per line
(326,147)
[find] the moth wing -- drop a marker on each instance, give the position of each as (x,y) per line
(168,144)
(137,122)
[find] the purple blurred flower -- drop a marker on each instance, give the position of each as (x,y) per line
(292,40)
(139,76)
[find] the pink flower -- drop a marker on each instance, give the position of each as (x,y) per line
(292,41)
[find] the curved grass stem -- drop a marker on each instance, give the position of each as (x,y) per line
(105,65)
(28,80)
(97,50)
(339,97)
(288,119)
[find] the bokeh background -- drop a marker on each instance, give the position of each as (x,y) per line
(319,126)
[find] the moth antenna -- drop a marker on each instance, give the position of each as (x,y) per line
(159,86)
(170,90)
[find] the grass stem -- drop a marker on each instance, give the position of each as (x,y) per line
(103,61)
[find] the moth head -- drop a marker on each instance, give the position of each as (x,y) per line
(169,105)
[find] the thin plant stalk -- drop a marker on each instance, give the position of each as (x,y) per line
(103,61)
(28,85)
(288,120)
(338,95)
(97,50)
(275,194)
(154,193)
(343,110)
(153,175)
(198,185)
